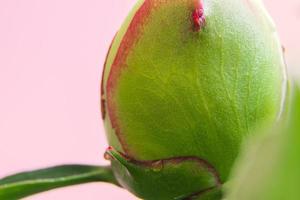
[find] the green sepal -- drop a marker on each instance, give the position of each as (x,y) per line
(164,179)
(215,193)
(28,183)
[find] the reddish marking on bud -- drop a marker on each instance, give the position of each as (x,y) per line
(103,109)
(198,16)
(107,156)
(130,38)
(110,148)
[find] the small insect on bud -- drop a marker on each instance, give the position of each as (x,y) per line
(198,15)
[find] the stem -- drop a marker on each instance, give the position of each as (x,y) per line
(29,183)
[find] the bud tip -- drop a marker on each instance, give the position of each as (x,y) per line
(198,16)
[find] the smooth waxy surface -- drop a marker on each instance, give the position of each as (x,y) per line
(172,91)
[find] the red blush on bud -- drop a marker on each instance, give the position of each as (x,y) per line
(198,15)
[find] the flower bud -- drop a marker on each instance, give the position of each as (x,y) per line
(184,83)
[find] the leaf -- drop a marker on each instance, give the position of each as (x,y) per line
(270,167)
(29,183)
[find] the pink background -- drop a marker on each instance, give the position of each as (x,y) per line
(51,57)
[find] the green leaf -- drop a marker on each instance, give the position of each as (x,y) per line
(269,166)
(29,183)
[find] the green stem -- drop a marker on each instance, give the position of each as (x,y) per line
(29,183)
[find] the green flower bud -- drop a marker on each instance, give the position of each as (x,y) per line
(185,82)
